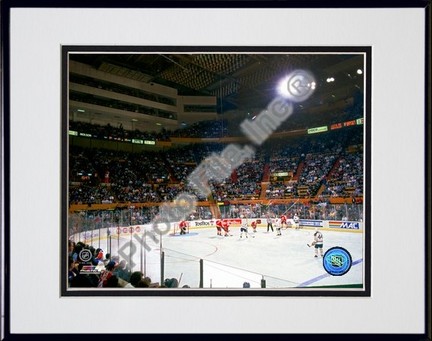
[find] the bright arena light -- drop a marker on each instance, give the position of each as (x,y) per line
(297,86)
(282,87)
(359,71)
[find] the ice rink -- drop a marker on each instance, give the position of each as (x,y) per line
(228,262)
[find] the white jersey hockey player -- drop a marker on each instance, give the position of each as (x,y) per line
(244,228)
(318,243)
(278,227)
(296,220)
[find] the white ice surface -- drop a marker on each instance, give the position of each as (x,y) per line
(283,261)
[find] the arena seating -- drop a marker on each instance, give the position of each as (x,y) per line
(325,165)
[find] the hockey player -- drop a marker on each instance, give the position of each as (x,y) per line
(244,228)
(222,224)
(183,227)
(318,243)
(254,225)
(225,227)
(278,227)
(296,221)
(283,219)
(219,227)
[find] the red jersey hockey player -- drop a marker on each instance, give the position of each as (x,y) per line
(183,227)
(222,224)
(254,225)
(283,221)
(219,227)
(225,227)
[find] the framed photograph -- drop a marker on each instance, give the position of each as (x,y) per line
(218,160)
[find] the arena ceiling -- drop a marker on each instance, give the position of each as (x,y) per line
(241,82)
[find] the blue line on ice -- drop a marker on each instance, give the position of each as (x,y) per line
(320,277)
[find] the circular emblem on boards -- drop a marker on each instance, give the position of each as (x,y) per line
(337,261)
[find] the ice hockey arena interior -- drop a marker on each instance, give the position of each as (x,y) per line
(182,174)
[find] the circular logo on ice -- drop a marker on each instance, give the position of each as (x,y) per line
(85,255)
(337,261)
(300,85)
